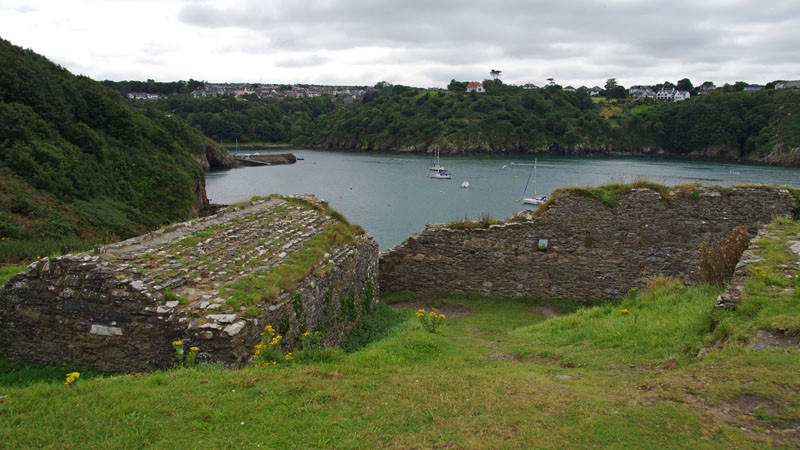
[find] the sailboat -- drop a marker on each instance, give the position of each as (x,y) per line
(436,169)
(535,199)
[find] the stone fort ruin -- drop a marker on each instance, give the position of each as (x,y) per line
(298,266)
(119,307)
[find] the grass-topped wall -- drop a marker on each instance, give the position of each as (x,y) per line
(586,244)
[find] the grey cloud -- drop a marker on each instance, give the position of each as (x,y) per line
(682,35)
(306,61)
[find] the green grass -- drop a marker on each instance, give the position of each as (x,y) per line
(6,272)
(258,287)
(485,221)
(499,375)
(608,194)
(771,299)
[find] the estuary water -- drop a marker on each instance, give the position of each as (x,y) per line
(391,196)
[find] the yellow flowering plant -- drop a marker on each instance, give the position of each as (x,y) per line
(71,378)
(432,320)
(184,358)
(311,342)
(268,352)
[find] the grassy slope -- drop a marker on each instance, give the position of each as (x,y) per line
(80,165)
(501,376)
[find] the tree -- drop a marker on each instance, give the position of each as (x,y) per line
(614,90)
(664,85)
(495,73)
(457,86)
(685,85)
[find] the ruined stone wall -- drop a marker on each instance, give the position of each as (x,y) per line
(593,251)
(119,308)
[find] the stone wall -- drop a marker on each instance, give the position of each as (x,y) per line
(119,308)
(593,251)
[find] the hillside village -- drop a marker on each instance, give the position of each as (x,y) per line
(259,90)
(350,94)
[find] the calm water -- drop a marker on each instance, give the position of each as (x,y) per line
(392,198)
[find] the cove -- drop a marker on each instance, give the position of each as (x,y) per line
(391,196)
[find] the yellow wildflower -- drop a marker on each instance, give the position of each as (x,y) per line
(441,317)
(269,330)
(306,333)
(624,311)
(194,349)
(71,377)
(288,356)
(177,343)
(420,312)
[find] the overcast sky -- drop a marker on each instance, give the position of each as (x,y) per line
(413,42)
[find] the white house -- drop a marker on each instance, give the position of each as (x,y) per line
(788,84)
(671,95)
(475,86)
(680,95)
(142,96)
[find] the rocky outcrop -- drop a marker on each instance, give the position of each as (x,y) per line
(209,283)
(579,248)
(217,156)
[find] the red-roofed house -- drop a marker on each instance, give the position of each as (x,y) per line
(475,86)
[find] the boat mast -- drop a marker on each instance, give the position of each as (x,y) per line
(527,182)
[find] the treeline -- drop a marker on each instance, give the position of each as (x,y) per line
(398,117)
(155,87)
(227,118)
(729,124)
(503,119)
(759,126)
(80,165)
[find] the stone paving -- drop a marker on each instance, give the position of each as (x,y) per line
(195,259)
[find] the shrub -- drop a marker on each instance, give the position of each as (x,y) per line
(717,261)
(372,326)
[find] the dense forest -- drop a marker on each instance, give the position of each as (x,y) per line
(79,164)
(760,126)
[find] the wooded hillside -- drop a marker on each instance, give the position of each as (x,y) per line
(79,164)
(755,126)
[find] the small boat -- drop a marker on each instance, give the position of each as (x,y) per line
(535,199)
(465,184)
(300,158)
(441,174)
(437,170)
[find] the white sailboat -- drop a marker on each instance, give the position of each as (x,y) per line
(535,199)
(436,169)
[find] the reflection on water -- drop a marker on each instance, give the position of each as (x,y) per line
(392,197)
